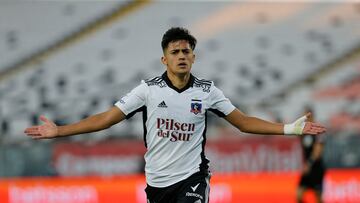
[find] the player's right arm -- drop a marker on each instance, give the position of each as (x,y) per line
(93,123)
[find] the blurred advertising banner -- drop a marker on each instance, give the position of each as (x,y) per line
(248,154)
(340,186)
(255,154)
(107,158)
(74,190)
(124,157)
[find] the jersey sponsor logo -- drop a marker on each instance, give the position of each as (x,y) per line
(162,105)
(196,106)
(195,187)
(190,194)
(175,131)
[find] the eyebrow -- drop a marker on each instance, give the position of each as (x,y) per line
(185,49)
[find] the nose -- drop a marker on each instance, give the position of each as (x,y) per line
(181,55)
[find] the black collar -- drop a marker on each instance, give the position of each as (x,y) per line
(169,83)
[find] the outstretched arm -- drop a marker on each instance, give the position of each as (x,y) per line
(258,126)
(93,123)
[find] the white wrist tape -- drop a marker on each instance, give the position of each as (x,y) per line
(295,128)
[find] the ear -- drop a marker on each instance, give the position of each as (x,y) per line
(163,60)
(193,59)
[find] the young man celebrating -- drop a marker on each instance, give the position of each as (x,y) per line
(174,107)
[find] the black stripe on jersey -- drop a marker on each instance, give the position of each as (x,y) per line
(144,117)
(200,81)
(204,165)
(153,80)
(142,109)
(217,112)
(204,84)
(156,81)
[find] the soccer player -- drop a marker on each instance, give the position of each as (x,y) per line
(174,107)
(313,172)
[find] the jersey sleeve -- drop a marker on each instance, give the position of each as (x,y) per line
(219,104)
(133,100)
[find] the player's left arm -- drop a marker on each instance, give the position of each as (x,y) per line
(256,125)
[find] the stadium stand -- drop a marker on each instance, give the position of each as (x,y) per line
(255,52)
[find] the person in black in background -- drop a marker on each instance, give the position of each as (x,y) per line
(313,171)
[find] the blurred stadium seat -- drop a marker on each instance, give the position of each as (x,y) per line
(270,59)
(253,51)
(70,59)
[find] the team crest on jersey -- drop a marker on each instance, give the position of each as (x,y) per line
(196,106)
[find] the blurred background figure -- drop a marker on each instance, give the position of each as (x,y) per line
(312,174)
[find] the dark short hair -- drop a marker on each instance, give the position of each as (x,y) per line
(176,34)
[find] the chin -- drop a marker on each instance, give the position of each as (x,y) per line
(180,70)
(183,71)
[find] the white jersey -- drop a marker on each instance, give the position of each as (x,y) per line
(174,125)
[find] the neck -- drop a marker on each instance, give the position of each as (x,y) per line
(178,80)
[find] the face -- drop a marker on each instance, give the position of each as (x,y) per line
(178,57)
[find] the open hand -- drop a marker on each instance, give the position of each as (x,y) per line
(312,128)
(304,126)
(45,131)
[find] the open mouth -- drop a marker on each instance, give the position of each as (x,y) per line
(182,64)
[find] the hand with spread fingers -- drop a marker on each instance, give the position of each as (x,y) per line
(45,131)
(311,128)
(304,126)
